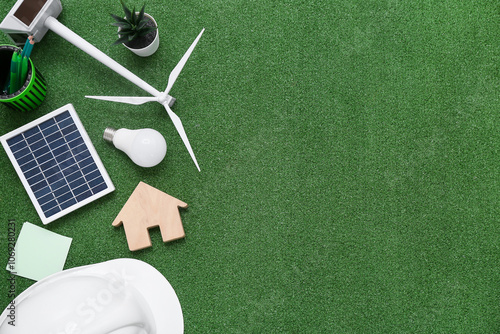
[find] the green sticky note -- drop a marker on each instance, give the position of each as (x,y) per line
(38,253)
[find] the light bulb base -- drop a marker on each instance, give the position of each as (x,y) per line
(109,134)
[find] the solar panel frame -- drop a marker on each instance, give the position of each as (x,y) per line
(57,163)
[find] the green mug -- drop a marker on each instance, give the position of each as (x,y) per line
(33,91)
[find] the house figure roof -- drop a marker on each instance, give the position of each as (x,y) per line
(149,207)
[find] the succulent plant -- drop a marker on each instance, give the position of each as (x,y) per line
(132,26)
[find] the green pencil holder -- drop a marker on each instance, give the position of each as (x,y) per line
(34,89)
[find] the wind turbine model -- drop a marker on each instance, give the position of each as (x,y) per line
(162,98)
(36,17)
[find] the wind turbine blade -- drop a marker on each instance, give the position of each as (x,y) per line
(180,129)
(178,68)
(125,99)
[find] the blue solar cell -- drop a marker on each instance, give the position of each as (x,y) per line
(80,148)
(49,165)
(22,152)
(61,191)
(63,149)
(42,192)
(96,181)
(50,171)
(99,188)
(35,179)
(45,199)
(61,116)
(75,142)
(41,151)
(89,168)
(35,145)
(54,177)
(44,158)
(49,205)
(63,198)
(31,132)
(53,136)
(58,184)
(64,123)
(68,203)
(27,158)
(82,155)
(81,189)
(32,172)
(85,162)
(92,175)
(57,143)
(29,165)
(14,140)
(70,130)
(68,166)
(74,176)
(47,124)
(19,144)
(53,211)
(31,139)
(84,195)
(50,129)
(39,185)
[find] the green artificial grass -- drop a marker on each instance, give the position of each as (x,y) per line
(348,151)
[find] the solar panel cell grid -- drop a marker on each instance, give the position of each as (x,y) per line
(57,163)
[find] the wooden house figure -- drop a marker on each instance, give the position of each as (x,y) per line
(149,207)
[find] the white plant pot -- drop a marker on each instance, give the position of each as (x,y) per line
(151,48)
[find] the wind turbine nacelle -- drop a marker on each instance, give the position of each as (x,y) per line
(27,17)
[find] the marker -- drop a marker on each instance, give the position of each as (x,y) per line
(25,46)
(25,60)
(14,72)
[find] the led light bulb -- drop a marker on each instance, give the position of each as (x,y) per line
(145,147)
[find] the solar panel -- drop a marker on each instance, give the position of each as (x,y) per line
(57,163)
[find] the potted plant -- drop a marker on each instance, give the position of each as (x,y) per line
(137,31)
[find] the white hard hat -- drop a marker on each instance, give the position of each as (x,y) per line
(123,296)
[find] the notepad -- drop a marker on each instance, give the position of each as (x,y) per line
(38,253)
